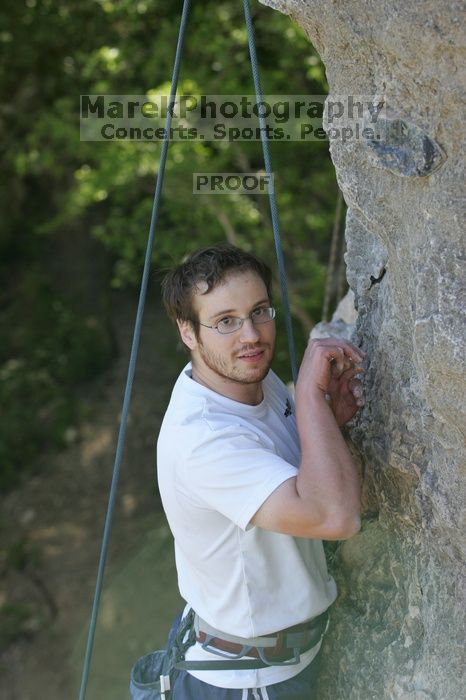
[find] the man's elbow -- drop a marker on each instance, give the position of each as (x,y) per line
(352,527)
(342,528)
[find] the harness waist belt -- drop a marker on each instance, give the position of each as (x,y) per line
(279,646)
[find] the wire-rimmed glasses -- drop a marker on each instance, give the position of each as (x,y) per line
(230,324)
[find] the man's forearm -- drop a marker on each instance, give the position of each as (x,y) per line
(328,479)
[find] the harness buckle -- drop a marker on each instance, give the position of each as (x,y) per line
(295,659)
(206,645)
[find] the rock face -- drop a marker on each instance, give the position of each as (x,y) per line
(398,628)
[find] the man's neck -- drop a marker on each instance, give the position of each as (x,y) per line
(250,394)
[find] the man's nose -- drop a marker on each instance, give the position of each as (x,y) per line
(249,332)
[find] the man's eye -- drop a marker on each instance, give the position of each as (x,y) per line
(225,322)
(258,313)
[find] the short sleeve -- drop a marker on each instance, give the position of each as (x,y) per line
(232,472)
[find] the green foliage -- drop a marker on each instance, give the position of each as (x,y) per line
(14,619)
(18,555)
(51,183)
(49,349)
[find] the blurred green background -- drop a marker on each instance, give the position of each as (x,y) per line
(75,215)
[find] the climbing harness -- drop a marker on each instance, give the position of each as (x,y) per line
(153,675)
(282,648)
(142,298)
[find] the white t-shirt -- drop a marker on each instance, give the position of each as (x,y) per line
(218,461)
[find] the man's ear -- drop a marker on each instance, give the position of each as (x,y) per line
(187,333)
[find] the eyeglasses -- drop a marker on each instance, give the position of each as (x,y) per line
(230,324)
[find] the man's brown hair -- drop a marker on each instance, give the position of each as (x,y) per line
(209,266)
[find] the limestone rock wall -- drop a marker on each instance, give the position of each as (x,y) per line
(398,628)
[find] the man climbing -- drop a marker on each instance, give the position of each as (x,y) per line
(251,482)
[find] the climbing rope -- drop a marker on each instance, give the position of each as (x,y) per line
(141,304)
(342,283)
(330,280)
(133,355)
(272,200)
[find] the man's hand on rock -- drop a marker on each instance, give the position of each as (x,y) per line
(331,367)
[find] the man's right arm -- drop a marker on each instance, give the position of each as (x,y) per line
(323,500)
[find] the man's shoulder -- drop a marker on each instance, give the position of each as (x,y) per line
(185,403)
(192,407)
